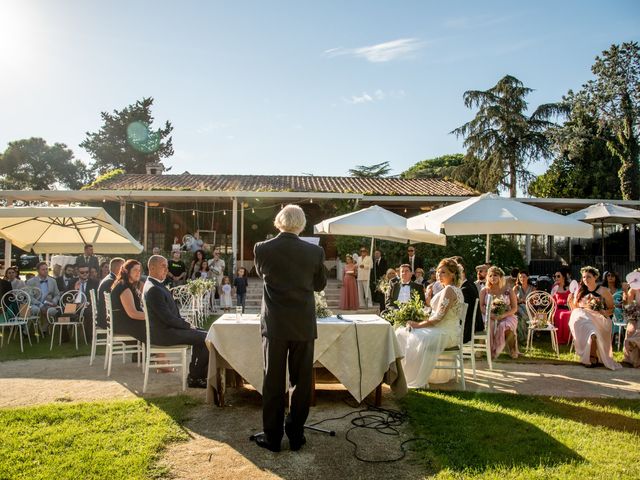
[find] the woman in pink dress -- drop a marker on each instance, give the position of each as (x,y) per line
(349,292)
(632,336)
(503,327)
(560,293)
(590,325)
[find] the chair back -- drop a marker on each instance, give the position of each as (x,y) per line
(94,307)
(109,311)
(73,297)
(34,292)
(463,320)
(476,304)
(15,306)
(540,308)
(147,325)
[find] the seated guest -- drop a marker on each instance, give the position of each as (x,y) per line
(85,285)
(422,342)
(402,291)
(177,274)
(614,284)
(93,274)
(196,262)
(420,277)
(590,325)
(504,326)
(11,275)
(470,295)
(104,270)
(105,286)
(126,303)
(168,327)
(481,276)
(522,289)
(560,293)
(49,293)
(68,280)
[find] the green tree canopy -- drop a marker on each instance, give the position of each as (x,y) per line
(615,93)
(31,164)
(502,137)
(583,166)
(370,171)
(456,167)
(126,140)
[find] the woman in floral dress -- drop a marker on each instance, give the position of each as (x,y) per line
(590,325)
(503,327)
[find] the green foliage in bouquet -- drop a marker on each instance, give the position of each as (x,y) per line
(413,310)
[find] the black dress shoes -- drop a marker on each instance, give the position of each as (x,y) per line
(296,445)
(196,382)
(261,441)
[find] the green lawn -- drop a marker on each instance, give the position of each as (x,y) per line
(101,440)
(500,436)
(542,352)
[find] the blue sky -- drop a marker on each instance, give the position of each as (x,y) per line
(290,87)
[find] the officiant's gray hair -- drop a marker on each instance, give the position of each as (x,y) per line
(290,219)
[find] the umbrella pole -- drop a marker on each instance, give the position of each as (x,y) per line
(602,235)
(487,254)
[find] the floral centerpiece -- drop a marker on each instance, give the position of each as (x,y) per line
(631,313)
(413,310)
(200,286)
(384,286)
(322,309)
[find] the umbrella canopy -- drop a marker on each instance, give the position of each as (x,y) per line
(379,223)
(491,214)
(65,230)
(607,213)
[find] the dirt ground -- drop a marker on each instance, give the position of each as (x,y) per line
(220,447)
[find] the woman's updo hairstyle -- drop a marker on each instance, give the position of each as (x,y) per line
(452,266)
(498,271)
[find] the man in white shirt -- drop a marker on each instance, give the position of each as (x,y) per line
(365,264)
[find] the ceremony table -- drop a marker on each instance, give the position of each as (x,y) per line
(361,351)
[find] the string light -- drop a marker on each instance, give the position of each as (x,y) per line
(405,210)
(224,212)
(193,213)
(163,210)
(253,210)
(133,206)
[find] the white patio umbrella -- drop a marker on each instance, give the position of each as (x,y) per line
(65,230)
(491,214)
(378,223)
(606,213)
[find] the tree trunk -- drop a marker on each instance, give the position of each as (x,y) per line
(513,183)
(628,151)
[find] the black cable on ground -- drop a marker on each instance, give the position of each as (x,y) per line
(383,420)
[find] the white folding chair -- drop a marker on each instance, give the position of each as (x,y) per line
(540,308)
(175,355)
(15,305)
(620,326)
(100,336)
(482,340)
(68,313)
(116,343)
(469,348)
(453,358)
(34,318)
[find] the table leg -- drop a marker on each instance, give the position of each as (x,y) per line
(378,398)
(220,386)
(313,387)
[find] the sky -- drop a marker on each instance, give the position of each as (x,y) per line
(290,87)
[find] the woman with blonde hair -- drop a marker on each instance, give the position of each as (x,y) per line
(421,343)
(502,325)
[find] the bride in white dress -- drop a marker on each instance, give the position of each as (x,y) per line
(421,343)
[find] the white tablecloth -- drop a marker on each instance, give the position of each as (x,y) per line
(359,350)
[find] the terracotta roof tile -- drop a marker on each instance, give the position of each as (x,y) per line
(287,183)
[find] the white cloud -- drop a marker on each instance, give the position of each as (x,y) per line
(377,96)
(382,52)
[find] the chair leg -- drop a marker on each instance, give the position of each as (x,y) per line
(29,335)
(94,339)
(461,360)
(106,354)
(473,361)
(84,334)
(146,378)
(488,352)
(21,343)
(53,334)
(110,359)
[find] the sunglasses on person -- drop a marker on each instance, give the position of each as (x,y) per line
(557,276)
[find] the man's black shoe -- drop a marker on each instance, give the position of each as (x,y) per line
(196,382)
(261,441)
(296,445)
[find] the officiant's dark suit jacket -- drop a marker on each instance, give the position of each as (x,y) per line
(292,270)
(395,291)
(166,325)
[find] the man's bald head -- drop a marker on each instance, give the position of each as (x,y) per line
(158,266)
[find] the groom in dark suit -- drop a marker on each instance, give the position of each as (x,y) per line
(166,325)
(292,270)
(402,291)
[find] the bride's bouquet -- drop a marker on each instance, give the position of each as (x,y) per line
(631,312)
(413,310)
(322,309)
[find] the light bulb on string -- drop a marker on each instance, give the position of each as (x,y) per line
(133,206)
(405,210)
(253,210)
(163,210)
(224,212)
(104,200)
(193,213)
